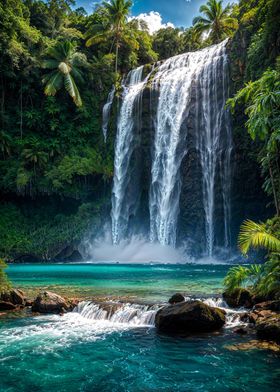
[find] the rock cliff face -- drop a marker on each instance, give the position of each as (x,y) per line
(246,194)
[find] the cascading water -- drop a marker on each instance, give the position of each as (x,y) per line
(130,314)
(107,111)
(213,138)
(205,71)
(191,91)
(123,207)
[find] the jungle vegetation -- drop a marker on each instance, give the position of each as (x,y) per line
(57,65)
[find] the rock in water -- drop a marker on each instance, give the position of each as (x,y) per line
(189,317)
(176,298)
(48,302)
(14,296)
(268,328)
(238,297)
(7,306)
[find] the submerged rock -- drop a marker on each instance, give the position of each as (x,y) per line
(253,345)
(238,298)
(48,302)
(176,298)
(189,317)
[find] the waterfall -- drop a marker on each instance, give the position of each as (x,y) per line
(107,111)
(118,313)
(175,80)
(214,141)
(188,96)
(122,205)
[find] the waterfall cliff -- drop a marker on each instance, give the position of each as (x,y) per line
(185,100)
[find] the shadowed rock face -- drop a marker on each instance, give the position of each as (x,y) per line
(189,317)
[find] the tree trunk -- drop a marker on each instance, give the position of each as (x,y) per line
(21,109)
(117,55)
(273,188)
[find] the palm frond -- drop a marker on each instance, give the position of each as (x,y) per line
(255,235)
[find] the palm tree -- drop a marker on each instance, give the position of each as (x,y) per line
(64,61)
(115,28)
(265,278)
(216,21)
(256,235)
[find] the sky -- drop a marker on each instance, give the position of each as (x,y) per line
(160,13)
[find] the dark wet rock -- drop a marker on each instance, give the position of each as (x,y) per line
(14,296)
(176,298)
(238,298)
(240,331)
(268,327)
(29,302)
(268,305)
(189,317)
(68,254)
(48,302)
(7,306)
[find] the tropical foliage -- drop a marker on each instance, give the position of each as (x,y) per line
(216,21)
(64,62)
(4,281)
(262,100)
(263,279)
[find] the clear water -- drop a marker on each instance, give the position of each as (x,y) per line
(142,282)
(73,353)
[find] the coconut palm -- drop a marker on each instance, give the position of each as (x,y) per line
(216,20)
(64,61)
(114,29)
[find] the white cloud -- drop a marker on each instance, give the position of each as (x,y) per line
(154,21)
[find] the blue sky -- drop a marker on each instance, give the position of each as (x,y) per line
(178,12)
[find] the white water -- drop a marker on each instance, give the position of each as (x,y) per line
(106,112)
(117,313)
(175,80)
(192,88)
(132,315)
(214,141)
(122,206)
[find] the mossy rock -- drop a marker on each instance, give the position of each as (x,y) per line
(238,298)
(189,317)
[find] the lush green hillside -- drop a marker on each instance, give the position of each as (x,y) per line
(55,169)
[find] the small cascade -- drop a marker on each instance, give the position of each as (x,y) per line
(118,313)
(107,111)
(124,206)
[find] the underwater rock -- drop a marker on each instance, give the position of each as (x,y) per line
(253,345)
(14,296)
(189,317)
(48,302)
(176,298)
(239,297)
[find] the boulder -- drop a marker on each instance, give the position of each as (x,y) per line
(268,305)
(268,328)
(238,298)
(14,296)
(48,302)
(7,306)
(189,317)
(176,298)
